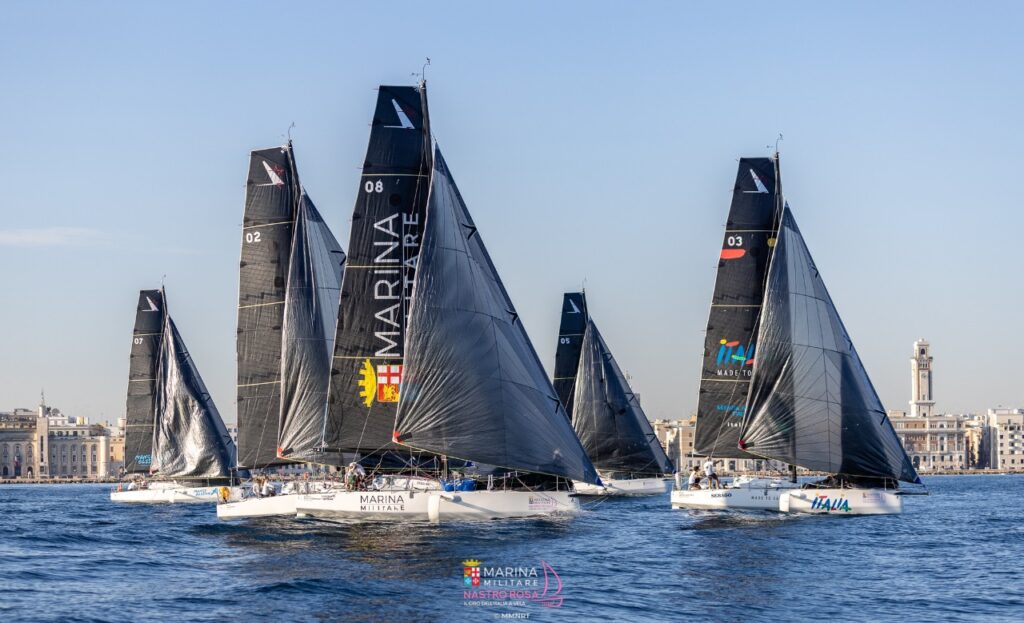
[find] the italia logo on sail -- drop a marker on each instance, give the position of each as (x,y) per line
(381,384)
(732,354)
(824,503)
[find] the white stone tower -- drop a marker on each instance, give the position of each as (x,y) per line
(921,402)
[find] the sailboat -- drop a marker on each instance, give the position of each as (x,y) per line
(289,283)
(605,412)
(808,399)
(173,430)
(731,340)
(435,375)
(811,402)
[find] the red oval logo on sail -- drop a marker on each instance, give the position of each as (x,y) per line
(732,254)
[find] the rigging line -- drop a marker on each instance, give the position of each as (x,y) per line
(244,227)
(260,305)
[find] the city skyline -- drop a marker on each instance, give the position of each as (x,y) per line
(127,152)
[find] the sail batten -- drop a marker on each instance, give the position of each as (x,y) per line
(811,401)
(474,387)
(731,343)
(608,418)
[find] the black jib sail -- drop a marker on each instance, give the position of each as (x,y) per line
(138,434)
(570,339)
(474,388)
(811,401)
(189,437)
(608,418)
(310,322)
(271,193)
(383,249)
(731,341)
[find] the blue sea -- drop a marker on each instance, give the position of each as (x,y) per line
(68,554)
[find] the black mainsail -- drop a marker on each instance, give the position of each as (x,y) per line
(272,189)
(811,401)
(383,249)
(474,388)
(731,338)
(142,372)
(608,418)
(570,339)
(189,436)
(310,321)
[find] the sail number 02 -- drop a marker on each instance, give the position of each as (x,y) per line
(252,236)
(734,241)
(374,187)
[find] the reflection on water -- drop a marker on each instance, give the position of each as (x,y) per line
(620,560)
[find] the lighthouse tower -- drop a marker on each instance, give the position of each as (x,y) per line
(921,402)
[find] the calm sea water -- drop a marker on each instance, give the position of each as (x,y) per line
(68,554)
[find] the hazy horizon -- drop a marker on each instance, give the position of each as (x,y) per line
(594,144)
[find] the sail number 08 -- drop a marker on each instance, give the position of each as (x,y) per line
(374,187)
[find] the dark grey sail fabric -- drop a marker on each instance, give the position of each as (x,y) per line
(310,321)
(474,388)
(570,339)
(138,434)
(607,416)
(811,401)
(189,438)
(271,193)
(387,223)
(731,340)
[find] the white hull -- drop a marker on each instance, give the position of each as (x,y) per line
(174,495)
(758,494)
(280,505)
(842,502)
(274,506)
(625,486)
(404,505)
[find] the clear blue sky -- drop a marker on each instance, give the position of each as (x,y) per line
(592,141)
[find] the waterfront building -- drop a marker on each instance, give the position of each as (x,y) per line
(46,444)
(1005,439)
(677,438)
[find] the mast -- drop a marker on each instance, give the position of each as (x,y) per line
(475,388)
(384,246)
(608,418)
(272,191)
(139,414)
(570,340)
(731,341)
(811,401)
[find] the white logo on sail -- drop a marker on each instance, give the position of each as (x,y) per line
(575,310)
(152,305)
(275,179)
(402,118)
(757,182)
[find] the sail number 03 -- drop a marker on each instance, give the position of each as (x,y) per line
(374,187)
(734,241)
